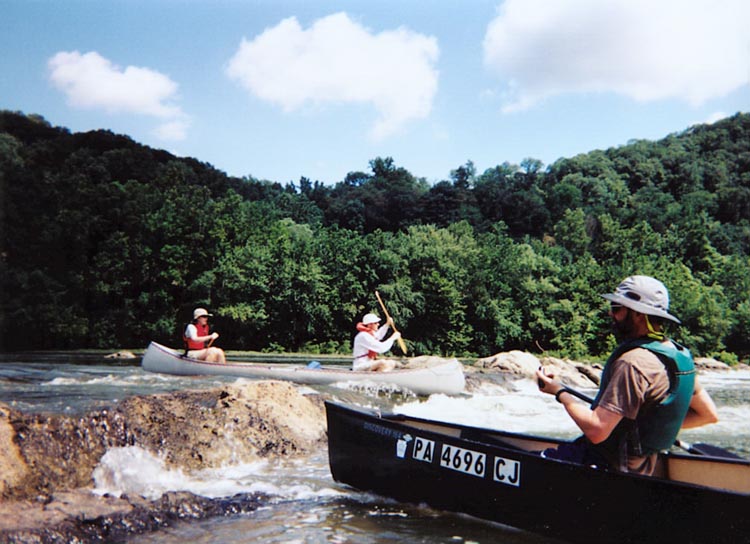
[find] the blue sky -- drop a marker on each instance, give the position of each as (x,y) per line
(289,88)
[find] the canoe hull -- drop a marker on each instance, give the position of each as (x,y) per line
(446,378)
(464,470)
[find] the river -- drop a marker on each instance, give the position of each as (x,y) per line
(306,505)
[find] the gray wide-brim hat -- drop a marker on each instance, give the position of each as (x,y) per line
(643,294)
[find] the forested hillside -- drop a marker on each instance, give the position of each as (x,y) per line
(108,243)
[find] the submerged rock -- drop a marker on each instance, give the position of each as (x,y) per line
(80,516)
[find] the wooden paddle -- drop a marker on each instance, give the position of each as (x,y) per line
(696,449)
(401,342)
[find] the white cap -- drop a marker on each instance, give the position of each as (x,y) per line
(370,318)
(200,312)
(643,294)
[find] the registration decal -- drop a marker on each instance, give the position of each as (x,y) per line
(507,471)
(466,461)
(423,450)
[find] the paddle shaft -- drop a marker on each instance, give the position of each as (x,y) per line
(401,343)
(696,449)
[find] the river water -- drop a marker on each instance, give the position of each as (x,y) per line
(306,505)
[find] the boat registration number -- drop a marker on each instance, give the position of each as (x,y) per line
(504,471)
(466,461)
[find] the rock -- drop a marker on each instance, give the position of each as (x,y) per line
(121,355)
(569,372)
(13,468)
(80,516)
(592,372)
(515,362)
(520,363)
(197,430)
(189,429)
(708,363)
(47,461)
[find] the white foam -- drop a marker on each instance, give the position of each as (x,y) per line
(135,471)
(725,379)
(522,409)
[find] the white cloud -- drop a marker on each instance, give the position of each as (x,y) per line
(337,60)
(716,116)
(691,50)
(173,130)
(91,81)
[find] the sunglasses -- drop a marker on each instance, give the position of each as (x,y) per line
(615,307)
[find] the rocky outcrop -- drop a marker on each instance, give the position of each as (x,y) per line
(43,457)
(709,363)
(197,430)
(13,468)
(523,364)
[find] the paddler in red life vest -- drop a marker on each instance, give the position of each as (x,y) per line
(369,342)
(197,338)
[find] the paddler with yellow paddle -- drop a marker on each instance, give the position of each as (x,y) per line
(368,342)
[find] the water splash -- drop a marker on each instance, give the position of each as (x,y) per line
(135,471)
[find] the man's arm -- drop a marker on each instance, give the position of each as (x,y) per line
(702,410)
(372,343)
(596,424)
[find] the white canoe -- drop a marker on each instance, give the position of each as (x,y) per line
(447,377)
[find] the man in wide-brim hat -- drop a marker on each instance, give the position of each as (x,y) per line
(648,390)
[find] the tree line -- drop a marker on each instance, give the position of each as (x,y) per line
(109,243)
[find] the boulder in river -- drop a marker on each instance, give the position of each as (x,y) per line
(47,461)
(524,364)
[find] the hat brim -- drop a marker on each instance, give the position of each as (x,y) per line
(639,306)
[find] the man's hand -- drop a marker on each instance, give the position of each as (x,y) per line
(547,383)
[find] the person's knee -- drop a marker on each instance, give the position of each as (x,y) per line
(216,355)
(386,366)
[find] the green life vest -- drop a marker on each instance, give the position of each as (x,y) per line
(656,428)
